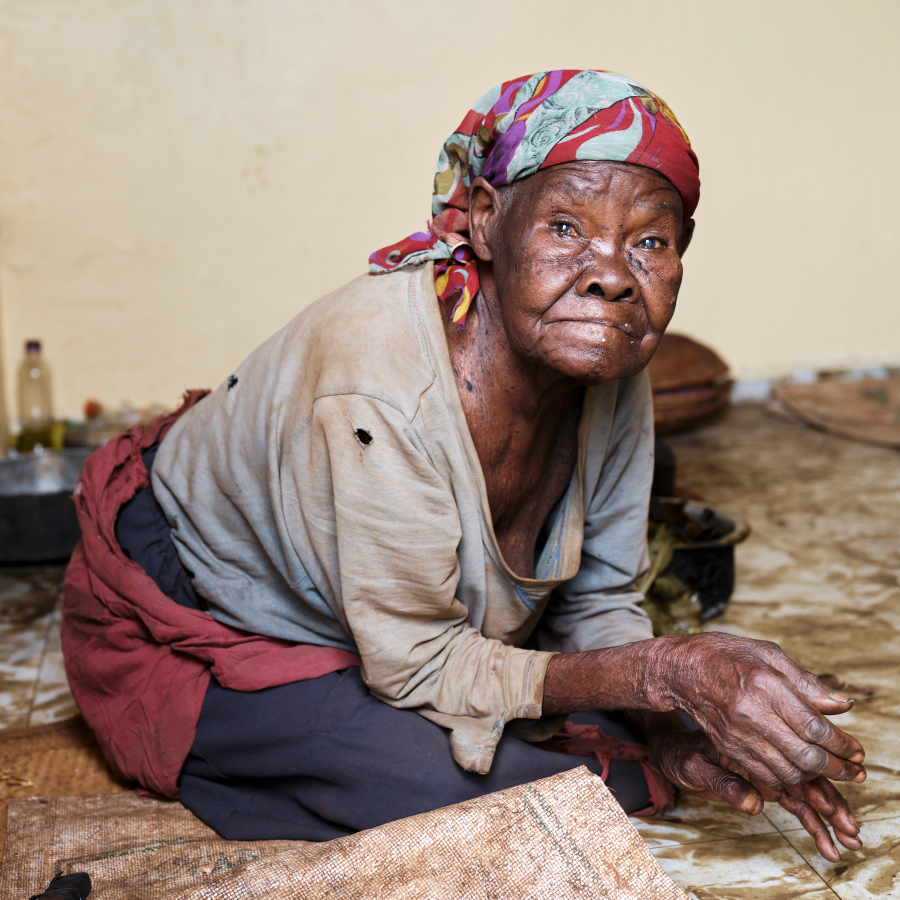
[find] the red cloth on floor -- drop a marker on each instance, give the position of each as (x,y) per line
(590,741)
(139,664)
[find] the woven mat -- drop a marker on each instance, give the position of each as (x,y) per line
(51,761)
(865,410)
(562,837)
(131,848)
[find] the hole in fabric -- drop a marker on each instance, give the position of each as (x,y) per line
(232,381)
(363,436)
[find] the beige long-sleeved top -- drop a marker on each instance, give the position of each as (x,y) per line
(329,492)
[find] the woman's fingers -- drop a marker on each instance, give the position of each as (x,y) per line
(837,754)
(770,726)
(810,758)
(769,771)
(851,840)
(815,800)
(825,700)
(822,802)
(809,801)
(764,754)
(810,820)
(690,761)
(764,712)
(702,775)
(842,818)
(827,801)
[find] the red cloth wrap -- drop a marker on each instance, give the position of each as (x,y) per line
(139,664)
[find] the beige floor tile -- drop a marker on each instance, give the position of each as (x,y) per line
(825,514)
(694,820)
(52,699)
(756,867)
(873,872)
(28,599)
(18,672)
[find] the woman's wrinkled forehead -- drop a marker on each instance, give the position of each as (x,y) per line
(617,193)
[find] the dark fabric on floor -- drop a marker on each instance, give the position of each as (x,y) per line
(319,759)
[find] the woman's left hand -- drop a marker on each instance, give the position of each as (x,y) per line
(691,762)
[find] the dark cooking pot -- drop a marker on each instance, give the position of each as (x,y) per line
(37,517)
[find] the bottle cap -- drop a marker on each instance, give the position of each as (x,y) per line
(32,346)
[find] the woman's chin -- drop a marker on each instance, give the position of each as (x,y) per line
(598,362)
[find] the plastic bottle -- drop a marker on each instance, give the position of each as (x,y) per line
(35,401)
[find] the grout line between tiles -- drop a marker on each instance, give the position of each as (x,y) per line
(784,833)
(719,841)
(802,831)
(804,858)
(777,831)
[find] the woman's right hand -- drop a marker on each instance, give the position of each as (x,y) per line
(758,708)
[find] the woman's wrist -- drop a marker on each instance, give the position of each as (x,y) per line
(633,676)
(672,672)
(658,671)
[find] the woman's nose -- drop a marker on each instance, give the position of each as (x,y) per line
(609,276)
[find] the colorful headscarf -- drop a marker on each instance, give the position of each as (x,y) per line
(526,125)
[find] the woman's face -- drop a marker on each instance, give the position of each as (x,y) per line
(584,265)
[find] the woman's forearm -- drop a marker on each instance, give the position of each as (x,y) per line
(630,676)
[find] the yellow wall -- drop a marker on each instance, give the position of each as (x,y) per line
(179,177)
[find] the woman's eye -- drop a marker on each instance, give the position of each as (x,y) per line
(650,243)
(563,229)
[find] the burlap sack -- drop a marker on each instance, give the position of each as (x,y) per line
(564,838)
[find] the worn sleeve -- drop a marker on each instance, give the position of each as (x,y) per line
(599,606)
(397,528)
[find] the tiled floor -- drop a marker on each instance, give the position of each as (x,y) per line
(33,688)
(819,575)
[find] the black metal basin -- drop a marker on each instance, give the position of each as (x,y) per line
(37,517)
(703,558)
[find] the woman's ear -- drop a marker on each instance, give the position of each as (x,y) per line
(485,209)
(687,232)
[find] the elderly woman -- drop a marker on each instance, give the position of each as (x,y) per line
(388,565)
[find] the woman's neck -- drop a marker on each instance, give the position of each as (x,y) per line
(524,424)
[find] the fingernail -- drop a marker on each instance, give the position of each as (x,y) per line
(840,698)
(751,804)
(860,778)
(854,822)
